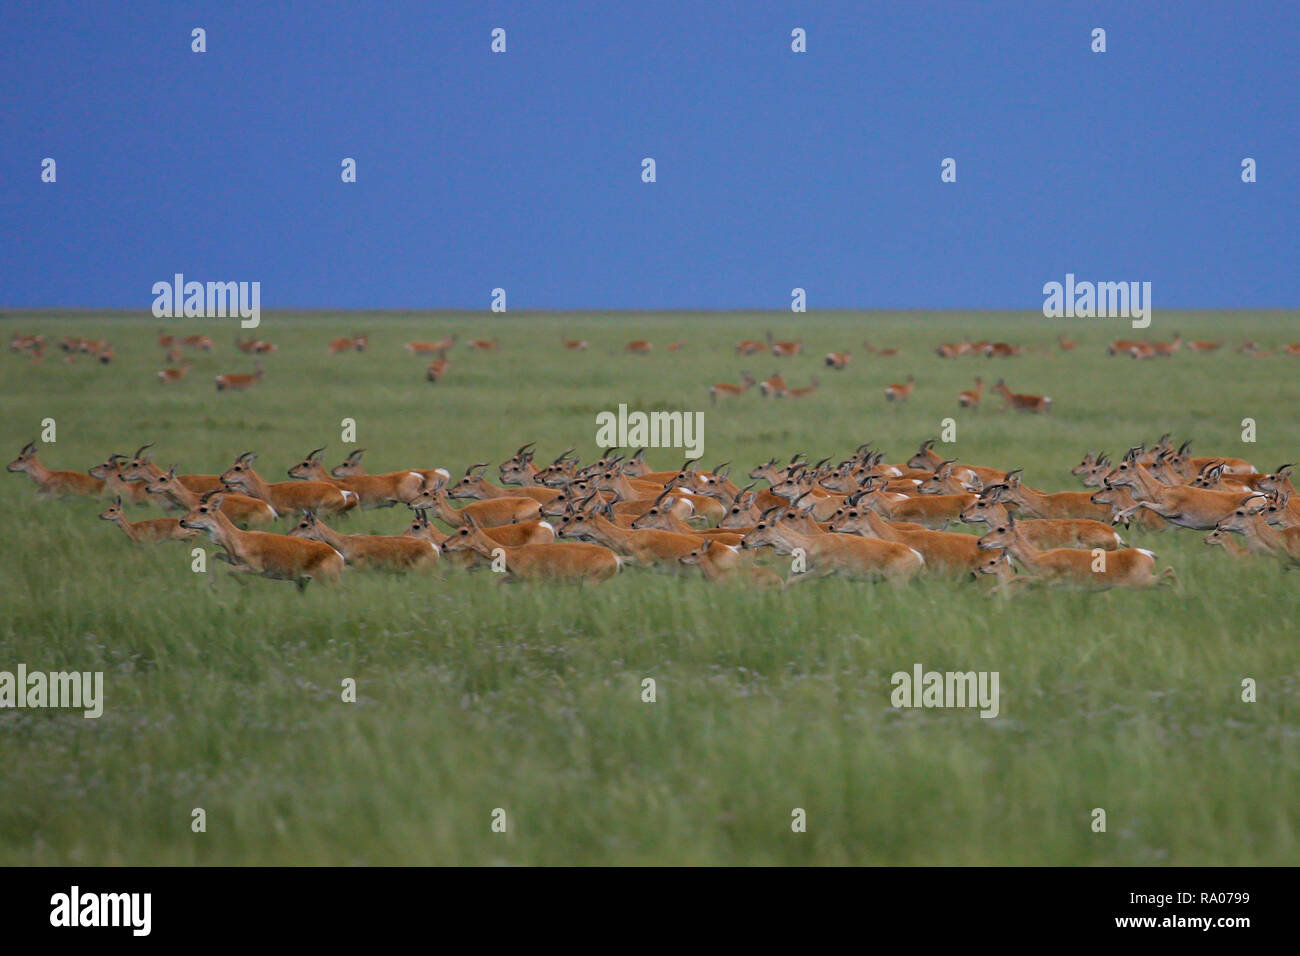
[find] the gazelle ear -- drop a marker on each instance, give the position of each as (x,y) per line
(1284,471)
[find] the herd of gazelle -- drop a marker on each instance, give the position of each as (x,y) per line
(861,518)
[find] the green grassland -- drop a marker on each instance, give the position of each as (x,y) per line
(473,696)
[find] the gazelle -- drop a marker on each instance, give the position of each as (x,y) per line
(843,554)
(1065,345)
(900,392)
(351,467)
(750,347)
(945,552)
(1203,345)
(774,385)
(644,548)
(200,342)
(236,382)
(260,552)
(971,397)
(510,535)
(927,459)
(803,392)
(482,345)
(243,510)
(783,349)
(570,561)
(443,345)
(838,360)
(110,473)
(372,491)
(1021,401)
(55,484)
(1124,510)
(140,467)
(1044,532)
(883,353)
(727,390)
(1074,567)
(254,346)
(150,531)
(349,343)
(287,496)
(474,486)
(175,374)
(488,514)
(638,347)
(379,552)
(1248,520)
(576,345)
(1186,507)
(929,511)
(1062,504)
(721,563)
(437,370)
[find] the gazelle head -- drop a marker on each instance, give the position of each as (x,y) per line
(239,475)
(767,532)
(1002,535)
(1279,480)
(1244,515)
(987,508)
(306,526)
(138,466)
(472,485)
(162,483)
(351,467)
(469,537)
(110,468)
(205,516)
(25,458)
(308,466)
(114,510)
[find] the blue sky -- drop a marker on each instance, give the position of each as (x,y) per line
(522,170)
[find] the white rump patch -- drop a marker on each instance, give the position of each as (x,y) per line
(1149,554)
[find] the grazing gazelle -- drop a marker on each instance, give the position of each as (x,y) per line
(260,552)
(56,484)
(1074,567)
(1022,402)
